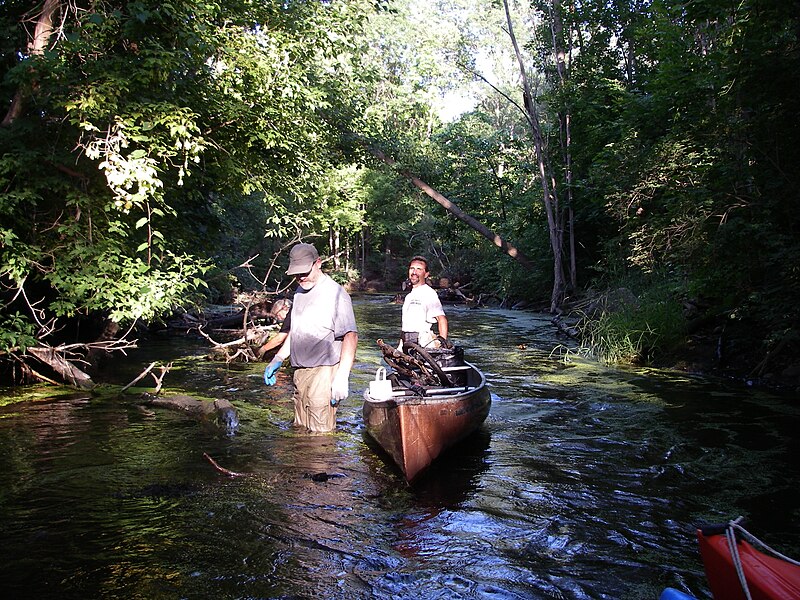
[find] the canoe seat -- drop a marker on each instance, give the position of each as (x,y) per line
(456,368)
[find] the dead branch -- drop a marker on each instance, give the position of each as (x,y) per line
(158,379)
(246,318)
(140,376)
(40,377)
(249,267)
(241,346)
(223,470)
(217,344)
(453,209)
(244,352)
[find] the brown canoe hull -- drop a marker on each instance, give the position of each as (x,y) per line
(415,430)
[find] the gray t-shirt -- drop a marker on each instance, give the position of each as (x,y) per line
(321,317)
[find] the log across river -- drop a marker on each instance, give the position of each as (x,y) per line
(583,482)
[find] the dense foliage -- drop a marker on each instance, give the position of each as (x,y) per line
(147,145)
(672,138)
(685,150)
(148,149)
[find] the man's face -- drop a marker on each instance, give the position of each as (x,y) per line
(309,280)
(417,273)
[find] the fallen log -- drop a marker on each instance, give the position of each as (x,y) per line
(246,317)
(567,327)
(218,412)
(65,358)
(56,360)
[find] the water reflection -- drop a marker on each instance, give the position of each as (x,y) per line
(584,482)
(455,476)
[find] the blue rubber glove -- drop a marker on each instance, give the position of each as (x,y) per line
(272,368)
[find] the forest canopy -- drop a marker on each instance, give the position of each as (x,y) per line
(154,156)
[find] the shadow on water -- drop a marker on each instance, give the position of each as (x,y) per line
(584,482)
(451,479)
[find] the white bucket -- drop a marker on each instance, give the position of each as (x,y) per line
(380,388)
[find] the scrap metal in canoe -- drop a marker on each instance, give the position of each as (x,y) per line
(437,399)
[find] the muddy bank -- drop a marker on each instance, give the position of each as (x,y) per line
(707,355)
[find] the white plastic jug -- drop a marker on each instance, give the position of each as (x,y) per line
(380,388)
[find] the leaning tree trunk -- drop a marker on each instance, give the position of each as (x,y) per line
(498,241)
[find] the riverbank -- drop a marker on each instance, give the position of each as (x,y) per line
(654,328)
(712,355)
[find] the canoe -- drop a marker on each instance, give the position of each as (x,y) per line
(768,575)
(415,429)
(419,422)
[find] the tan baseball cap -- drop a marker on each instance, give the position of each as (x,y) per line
(301,258)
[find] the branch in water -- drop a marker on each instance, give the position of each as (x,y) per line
(221,469)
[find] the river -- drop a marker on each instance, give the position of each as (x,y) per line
(584,482)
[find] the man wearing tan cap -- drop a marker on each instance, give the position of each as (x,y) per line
(322,342)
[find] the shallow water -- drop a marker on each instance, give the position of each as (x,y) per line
(584,482)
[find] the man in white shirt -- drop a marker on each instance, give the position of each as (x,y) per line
(422,308)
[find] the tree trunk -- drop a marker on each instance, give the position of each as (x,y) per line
(565,124)
(498,241)
(41,37)
(363,253)
(387,259)
(549,193)
(56,361)
(219,412)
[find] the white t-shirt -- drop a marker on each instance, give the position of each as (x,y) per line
(420,309)
(321,317)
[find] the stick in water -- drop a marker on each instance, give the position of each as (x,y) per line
(221,469)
